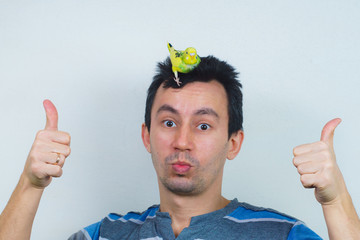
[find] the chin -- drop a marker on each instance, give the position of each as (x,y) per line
(182,186)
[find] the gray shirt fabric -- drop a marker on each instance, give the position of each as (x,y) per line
(235,221)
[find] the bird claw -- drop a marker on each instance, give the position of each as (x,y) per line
(177,80)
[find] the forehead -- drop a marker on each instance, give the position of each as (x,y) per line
(193,96)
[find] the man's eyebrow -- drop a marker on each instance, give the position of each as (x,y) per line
(207,111)
(167,108)
(201,111)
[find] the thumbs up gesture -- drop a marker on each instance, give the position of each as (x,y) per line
(48,152)
(316,164)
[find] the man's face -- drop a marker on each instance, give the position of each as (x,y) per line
(188,140)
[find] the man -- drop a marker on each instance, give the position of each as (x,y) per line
(190,130)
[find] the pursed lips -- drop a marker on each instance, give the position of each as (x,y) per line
(181,167)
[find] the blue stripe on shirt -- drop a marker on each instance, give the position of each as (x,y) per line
(134,217)
(300,232)
(94,230)
(246,215)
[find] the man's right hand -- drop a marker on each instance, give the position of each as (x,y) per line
(45,161)
(50,146)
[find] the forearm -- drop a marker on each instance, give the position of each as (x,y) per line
(17,218)
(341,219)
(45,161)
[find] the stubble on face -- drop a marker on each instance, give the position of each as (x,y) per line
(206,151)
(179,183)
(193,183)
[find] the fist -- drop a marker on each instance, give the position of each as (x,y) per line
(316,164)
(48,152)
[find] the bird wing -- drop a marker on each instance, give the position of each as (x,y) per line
(175,57)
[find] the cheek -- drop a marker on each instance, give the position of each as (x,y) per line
(160,138)
(213,151)
(212,142)
(159,142)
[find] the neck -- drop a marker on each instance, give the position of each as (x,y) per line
(182,208)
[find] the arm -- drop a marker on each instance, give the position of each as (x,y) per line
(316,164)
(45,161)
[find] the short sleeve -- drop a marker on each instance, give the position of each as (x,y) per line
(301,232)
(91,232)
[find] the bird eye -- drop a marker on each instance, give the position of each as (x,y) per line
(169,123)
(204,126)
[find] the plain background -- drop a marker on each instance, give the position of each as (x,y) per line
(299,63)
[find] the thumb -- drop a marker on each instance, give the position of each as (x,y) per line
(327,133)
(51,115)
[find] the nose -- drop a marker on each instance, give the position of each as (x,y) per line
(183,140)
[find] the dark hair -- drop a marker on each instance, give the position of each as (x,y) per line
(210,68)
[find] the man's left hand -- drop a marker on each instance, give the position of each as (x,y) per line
(316,164)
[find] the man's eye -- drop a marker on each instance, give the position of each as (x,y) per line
(204,126)
(169,123)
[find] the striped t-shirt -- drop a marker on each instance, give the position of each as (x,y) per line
(235,221)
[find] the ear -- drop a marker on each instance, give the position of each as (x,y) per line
(145,135)
(235,143)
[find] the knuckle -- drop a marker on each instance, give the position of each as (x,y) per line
(328,166)
(306,182)
(58,172)
(35,168)
(65,137)
(295,161)
(303,180)
(68,138)
(41,134)
(68,151)
(37,146)
(300,169)
(295,151)
(61,164)
(34,155)
(324,181)
(322,145)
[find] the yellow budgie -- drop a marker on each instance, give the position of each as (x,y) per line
(183,61)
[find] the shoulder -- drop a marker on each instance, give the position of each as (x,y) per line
(135,217)
(268,219)
(123,223)
(245,212)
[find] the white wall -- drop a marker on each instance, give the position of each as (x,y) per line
(299,64)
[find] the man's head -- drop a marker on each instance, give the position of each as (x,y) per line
(190,139)
(210,68)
